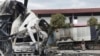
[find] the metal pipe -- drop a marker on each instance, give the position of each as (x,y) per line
(25,3)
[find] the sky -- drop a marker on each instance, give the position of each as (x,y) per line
(62,4)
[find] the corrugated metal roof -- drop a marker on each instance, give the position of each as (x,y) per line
(67,11)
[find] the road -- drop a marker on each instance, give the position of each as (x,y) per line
(80,51)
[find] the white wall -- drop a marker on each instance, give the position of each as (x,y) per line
(84,19)
(67,20)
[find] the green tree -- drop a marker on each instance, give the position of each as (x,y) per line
(98,26)
(92,21)
(58,21)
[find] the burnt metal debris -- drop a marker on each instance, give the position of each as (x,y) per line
(12,10)
(20,27)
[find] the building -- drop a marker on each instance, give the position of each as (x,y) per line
(79,17)
(72,15)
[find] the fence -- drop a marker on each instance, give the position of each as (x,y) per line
(76,33)
(23,54)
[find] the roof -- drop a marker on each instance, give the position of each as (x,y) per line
(67,11)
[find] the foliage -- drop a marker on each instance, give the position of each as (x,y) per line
(92,21)
(98,26)
(58,21)
(67,25)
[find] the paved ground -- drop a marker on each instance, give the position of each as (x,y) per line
(80,51)
(69,53)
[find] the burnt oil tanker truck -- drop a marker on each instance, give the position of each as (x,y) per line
(20,29)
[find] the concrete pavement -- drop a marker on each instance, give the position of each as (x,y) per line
(80,51)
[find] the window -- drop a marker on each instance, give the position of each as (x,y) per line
(75,17)
(25,39)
